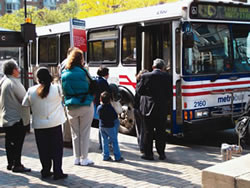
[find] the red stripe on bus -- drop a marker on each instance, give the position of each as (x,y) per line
(128,82)
(214,85)
(196,94)
(220,91)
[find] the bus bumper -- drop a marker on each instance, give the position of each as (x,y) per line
(211,124)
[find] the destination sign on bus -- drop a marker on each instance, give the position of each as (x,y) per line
(221,11)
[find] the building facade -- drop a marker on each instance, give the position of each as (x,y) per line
(9,6)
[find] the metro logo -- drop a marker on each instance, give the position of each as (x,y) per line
(228,98)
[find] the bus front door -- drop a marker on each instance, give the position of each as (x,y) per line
(158,44)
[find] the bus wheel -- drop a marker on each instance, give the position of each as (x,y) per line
(127,118)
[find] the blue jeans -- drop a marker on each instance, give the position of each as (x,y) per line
(110,135)
(117,125)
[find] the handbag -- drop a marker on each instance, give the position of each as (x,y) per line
(117,106)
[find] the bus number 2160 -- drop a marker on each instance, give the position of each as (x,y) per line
(201,103)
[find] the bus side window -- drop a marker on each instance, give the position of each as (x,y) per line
(65,44)
(48,50)
(103,46)
(129,45)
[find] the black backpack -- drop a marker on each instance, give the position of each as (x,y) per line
(93,85)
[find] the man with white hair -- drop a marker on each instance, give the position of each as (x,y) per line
(154,88)
(13,117)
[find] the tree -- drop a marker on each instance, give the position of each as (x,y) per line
(73,9)
(90,8)
(40,17)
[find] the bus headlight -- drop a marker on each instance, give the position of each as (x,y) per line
(201,113)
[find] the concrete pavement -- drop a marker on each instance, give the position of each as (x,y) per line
(182,167)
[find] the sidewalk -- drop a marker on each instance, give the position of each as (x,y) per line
(181,169)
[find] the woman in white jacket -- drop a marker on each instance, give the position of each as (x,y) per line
(47,117)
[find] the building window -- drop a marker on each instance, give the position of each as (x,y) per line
(10,7)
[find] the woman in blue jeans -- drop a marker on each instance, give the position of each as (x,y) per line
(108,125)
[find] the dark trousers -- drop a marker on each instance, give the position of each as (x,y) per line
(139,128)
(154,126)
(14,138)
(50,148)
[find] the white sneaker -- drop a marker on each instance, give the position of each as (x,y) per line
(77,161)
(86,162)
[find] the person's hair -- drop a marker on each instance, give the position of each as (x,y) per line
(70,50)
(75,59)
(105,97)
(140,73)
(159,63)
(44,78)
(9,66)
(102,71)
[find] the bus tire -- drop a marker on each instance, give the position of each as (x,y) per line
(127,118)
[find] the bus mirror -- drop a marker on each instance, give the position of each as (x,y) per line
(188,40)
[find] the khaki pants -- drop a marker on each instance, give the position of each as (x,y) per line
(80,121)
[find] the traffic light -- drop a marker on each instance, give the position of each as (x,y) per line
(28,31)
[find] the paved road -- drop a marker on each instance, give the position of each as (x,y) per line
(182,167)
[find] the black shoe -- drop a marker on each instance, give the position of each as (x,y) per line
(108,159)
(119,160)
(162,157)
(150,158)
(47,175)
(61,176)
(9,167)
(21,168)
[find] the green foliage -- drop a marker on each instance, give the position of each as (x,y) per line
(40,17)
(12,21)
(73,9)
(89,8)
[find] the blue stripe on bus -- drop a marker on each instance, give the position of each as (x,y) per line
(211,77)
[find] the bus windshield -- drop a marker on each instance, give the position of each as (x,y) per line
(218,48)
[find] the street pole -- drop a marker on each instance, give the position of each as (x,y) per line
(25,9)
(25,51)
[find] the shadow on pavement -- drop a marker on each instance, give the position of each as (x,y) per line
(19,180)
(143,171)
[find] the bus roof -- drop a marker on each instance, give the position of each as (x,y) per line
(4,29)
(131,16)
(146,14)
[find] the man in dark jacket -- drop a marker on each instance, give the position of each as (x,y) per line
(155,89)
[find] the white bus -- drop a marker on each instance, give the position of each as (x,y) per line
(206,44)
